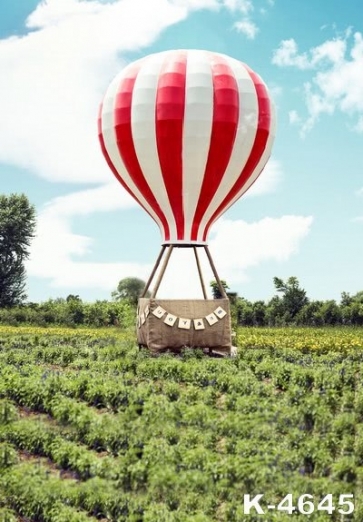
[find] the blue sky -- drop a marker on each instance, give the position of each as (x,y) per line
(303,217)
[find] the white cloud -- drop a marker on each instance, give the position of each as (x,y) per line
(275,91)
(108,197)
(287,55)
(294,117)
(56,76)
(242,6)
(337,81)
(268,181)
(197,4)
(248,28)
(331,51)
(53,13)
(57,73)
(239,245)
(245,25)
(57,252)
(236,246)
(58,255)
(316,104)
(359,126)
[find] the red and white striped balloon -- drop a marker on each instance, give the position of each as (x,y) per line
(186,133)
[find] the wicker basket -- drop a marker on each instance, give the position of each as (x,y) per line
(175,324)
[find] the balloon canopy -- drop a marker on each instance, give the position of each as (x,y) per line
(186,133)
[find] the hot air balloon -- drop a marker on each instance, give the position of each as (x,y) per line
(186,133)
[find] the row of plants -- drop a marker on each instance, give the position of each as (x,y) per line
(71,312)
(91,427)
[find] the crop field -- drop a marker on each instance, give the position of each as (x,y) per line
(92,429)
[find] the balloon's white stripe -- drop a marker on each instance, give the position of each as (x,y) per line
(264,158)
(144,133)
(246,132)
(198,119)
(260,165)
(109,137)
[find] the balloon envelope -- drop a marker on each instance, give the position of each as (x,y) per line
(186,133)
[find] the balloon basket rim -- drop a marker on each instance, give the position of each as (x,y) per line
(185,244)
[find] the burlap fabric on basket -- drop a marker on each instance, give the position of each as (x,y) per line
(174,324)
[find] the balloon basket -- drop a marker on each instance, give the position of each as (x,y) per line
(175,324)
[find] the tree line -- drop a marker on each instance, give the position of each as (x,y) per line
(71,312)
(290,305)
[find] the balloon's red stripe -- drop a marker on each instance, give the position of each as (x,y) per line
(224,129)
(259,145)
(125,143)
(109,162)
(169,121)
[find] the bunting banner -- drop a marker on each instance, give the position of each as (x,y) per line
(170,319)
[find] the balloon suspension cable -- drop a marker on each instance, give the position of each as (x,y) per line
(219,283)
(157,263)
(200,272)
(169,249)
(162,271)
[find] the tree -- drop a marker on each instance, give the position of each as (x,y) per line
(17,226)
(331,313)
(311,314)
(346,299)
(244,312)
(274,311)
(72,297)
(129,288)
(75,309)
(259,313)
(216,293)
(353,314)
(358,297)
(293,297)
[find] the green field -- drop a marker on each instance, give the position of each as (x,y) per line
(92,429)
